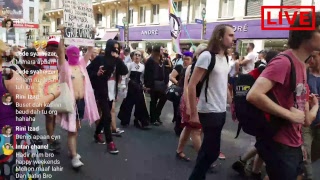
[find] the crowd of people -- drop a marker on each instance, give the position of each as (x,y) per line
(201,83)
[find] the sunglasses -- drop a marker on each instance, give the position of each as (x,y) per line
(138,55)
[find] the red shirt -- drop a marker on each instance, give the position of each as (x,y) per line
(278,70)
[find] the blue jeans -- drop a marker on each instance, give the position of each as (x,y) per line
(282,162)
(212,124)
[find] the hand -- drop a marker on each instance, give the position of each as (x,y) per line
(313,100)
(114,54)
(297,116)
(57,92)
(304,153)
(101,71)
(61,28)
(194,119)
(94,30)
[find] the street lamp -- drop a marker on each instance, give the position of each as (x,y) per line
(204,22)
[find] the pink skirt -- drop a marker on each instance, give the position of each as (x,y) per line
(185,118)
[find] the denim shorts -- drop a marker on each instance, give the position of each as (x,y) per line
(282,162)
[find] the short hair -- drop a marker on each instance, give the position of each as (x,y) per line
(156,49)
(127,50)
(252,45)
(297,37)
(270,55)
(132,54)
(236,54)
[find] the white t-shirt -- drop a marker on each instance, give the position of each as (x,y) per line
(232,65)
(112,87)
(217,86)
(127,59)
(252,56)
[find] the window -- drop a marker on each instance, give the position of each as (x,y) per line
(290,2)
(155,13)
(253,7)
(31,14)
(114,18)
(226,8)
(142,14)
(99,18)
(198,5)
(46,30)
(58,21)
(131,16)
(178,7)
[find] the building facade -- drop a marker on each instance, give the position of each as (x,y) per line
(149,20)
(25,15)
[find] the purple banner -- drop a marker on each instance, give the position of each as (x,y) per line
(250,29)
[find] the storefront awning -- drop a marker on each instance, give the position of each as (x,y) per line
(109,35)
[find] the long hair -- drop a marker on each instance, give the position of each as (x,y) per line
(215,44)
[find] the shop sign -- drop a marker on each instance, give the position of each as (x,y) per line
(150,32)
(243,28)
(35,26)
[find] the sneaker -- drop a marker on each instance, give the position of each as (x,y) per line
(76,163)
(112,148)
(98,139)
(239,166)
(117,132)
(53,147)
(222,156)
(77,156)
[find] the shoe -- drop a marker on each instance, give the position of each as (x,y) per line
(98,139)
(117,132)
(155,124)
(76,163)
(112,148)
(77,156)
(239,167)
(54,147)
(222,156)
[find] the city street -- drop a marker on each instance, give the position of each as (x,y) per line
(147,155)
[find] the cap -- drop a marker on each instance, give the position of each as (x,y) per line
(52,41)
(262,52)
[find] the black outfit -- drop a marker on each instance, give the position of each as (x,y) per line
(176,102)
(135,97)
(212,124)
(154,73)
(100,84)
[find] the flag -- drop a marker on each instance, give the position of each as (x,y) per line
(175,27)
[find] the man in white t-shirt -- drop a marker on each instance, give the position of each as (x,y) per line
(248,62)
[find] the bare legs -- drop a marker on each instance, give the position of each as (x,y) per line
(184,137)
(72,146)
(50,126)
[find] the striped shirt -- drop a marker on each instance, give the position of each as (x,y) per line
(48,63)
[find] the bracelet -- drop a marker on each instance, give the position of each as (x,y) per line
(54,97)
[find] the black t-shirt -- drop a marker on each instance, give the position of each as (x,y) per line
(179,69)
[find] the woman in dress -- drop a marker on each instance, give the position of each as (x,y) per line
(74,73)
(188,128)
(9,80)
(135,96)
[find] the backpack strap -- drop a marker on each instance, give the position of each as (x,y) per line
(210,68)
(293,80)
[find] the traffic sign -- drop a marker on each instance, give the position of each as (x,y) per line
(119,27)
(199,21)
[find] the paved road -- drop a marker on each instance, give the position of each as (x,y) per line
(146,155)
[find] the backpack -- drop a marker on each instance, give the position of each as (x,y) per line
(252,120)
(206,77)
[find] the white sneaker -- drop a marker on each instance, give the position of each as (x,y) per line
(76,163)
(77,156)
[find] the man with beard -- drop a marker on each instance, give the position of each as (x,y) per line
(105,73)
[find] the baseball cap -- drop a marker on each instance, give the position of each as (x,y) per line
(52,41)
(262,52)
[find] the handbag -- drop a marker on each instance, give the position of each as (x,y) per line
(64,103)
(173,92)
